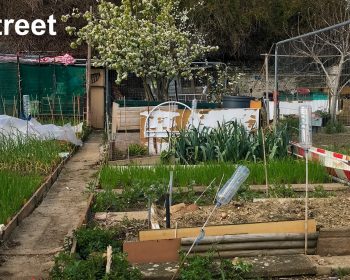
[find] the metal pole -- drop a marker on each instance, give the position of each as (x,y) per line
(88,82)
(314,32)
(306,197)
(275,91)
(267,75)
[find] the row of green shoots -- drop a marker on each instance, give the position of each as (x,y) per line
(228,142)
(24,164)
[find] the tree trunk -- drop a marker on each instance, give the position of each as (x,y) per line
(333,107)
(336,72)
(147,89)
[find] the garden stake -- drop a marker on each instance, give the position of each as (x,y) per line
(109,259)
(3,104)
(149,213)
(59,102)
(218,188)
(265,164)
(225,195)
(167,210)
(171,187)
(305,134)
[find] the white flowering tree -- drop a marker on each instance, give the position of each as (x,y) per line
(150,38)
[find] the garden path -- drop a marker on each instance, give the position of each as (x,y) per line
(30,251)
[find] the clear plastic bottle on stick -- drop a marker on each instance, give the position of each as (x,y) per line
(231,187)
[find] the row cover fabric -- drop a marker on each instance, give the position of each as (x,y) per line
(12,127)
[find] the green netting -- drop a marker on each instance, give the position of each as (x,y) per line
(286,96)
(52,88)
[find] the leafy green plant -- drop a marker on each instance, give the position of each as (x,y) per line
(91,240)
(334,127)
(107,201)
(137,150)
(281,191)
(166,156)
(341,272)
(206,268)
(320,192)
(229,142)
(69,267)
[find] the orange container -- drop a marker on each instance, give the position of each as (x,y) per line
(255,104)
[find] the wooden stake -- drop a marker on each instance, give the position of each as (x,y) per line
(74,109)
(78,109)
(48,99)
(3,104)
(14,110)
(109,259)
(265,164)
(59,103)
(19,86)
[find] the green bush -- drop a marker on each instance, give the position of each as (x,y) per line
(206,268)
(334,127)
(93,268)
(137,150)
(90,240)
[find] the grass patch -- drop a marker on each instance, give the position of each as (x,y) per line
(24,163)
(15,190)
(279,172)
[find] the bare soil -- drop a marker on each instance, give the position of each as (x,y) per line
(30,251)
(332,212)
(338,139)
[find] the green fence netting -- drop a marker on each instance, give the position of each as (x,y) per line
(53,89)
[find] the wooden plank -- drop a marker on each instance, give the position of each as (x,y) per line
(120,216)
(335,242)
(301,187)
(264,245)
(254,253)
(238,238)
(271,227)
(154,251)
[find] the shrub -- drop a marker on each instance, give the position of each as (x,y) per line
(72,267)
(137,150)
(334,127)
(206,268)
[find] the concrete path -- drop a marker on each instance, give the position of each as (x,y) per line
(30,251)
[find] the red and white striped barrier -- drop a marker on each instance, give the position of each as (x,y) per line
(337,165)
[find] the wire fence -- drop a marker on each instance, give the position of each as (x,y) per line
(315,68)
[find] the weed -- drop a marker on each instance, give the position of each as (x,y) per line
(341,272)
(93,267)
(206,268)
(137,150)
(281,191)
(334,127)
(320,192)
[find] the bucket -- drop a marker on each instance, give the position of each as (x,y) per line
(236,101)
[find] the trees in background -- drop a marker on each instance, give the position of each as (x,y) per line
(243,29)
(151,39)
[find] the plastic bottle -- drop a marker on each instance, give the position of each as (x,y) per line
(231,187)
(305,126)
